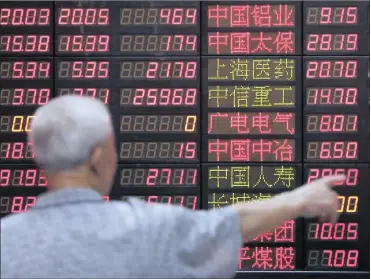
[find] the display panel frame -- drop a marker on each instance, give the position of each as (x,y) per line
(35,30)
(114,29)
(363,8)
(206,29)
(201,27)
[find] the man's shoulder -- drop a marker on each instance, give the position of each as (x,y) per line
(12,220)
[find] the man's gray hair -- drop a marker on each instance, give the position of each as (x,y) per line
(64,132)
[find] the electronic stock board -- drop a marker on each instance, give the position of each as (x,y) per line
(213,103)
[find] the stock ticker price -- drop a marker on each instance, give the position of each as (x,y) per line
(339,231)
(332,259)
(15,37)
(159,177)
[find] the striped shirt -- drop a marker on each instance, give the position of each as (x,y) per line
(73,233)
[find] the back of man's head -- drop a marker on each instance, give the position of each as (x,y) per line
(65,132)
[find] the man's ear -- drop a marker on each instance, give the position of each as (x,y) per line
(96,155)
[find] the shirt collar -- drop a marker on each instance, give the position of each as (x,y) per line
(67,196)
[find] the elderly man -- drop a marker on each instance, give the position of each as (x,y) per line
(73,233)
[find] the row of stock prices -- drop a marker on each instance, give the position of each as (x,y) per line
(213,103)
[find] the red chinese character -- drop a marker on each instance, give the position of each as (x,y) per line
(264,237)
(284,258)
(240,43)
(218,13)
(240,16)
(217,40)
(218,147)
(262,16)
(215,116)
(261,45)
(284,16)
(284,42)
(240,121)
(263,258)
(261,122)
(284,233)
(240,150)
(244,255)
(286,119)
(283,152)
(261,147)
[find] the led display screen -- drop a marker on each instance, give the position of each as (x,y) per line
(212,103)
(332,150)
(172,151)
(25,43)
(141,44)
(15,123)
(18,204)
(284,233)
(102,94)
(332,232)
(272,123)
(333,259)
(252,177)
(253,15)
(332,42)
(161,70)
(34,17)
(22,177)
(218,200)
(158,124)
(251,43)
(267,258)
(25,70)
(159,16)
(336,16)
(256,96)
(16,151)
(331,96)
(356,175)
(82,16)
(16,97)
(159,177)
(251,150)
(158,97)
(187,201)
(331,69)
(332,123)
(248,69)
